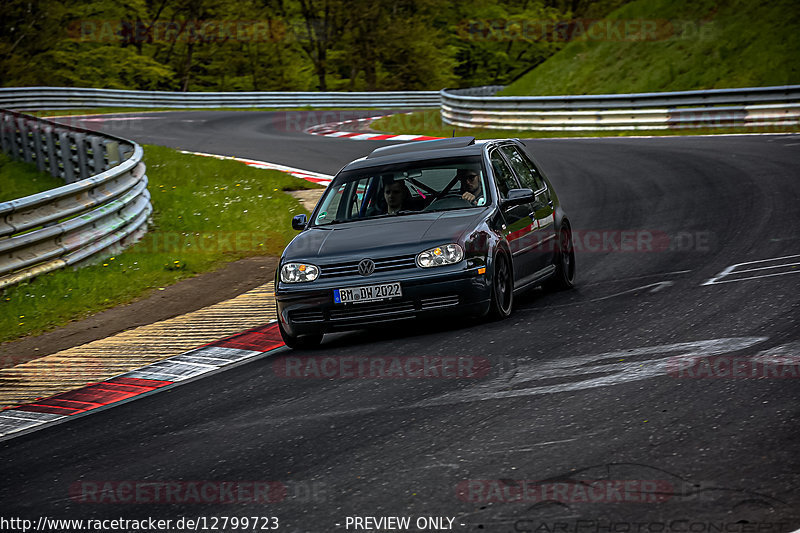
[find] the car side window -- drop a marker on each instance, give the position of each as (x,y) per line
(502,174)
(524,168)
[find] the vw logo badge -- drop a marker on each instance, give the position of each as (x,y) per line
(366,267)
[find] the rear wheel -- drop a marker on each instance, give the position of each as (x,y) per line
(299,342)
(564,277)
(502,288)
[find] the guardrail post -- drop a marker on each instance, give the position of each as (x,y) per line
(98,154)
(112,154)
(12,137)
(65,149)
(41,162)
(6,131)
(52,159)
(125,152)
(25,140)
(83,158)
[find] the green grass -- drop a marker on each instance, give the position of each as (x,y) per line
(695,44)
(430,123)
(19,179)
(207,212)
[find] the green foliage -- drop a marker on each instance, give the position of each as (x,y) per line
(266,45)
(695,45)
(73,65)
(375,45)
(494,43)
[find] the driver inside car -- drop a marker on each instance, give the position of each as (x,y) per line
(471,189)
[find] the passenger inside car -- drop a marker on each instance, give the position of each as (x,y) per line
(391,197)
(396,195)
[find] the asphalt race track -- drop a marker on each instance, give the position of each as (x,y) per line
(606,409)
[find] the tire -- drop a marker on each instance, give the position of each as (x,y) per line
(564,276)
(502,288)
(299,342)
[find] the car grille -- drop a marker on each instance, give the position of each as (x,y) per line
(385,264)
(375,310)
(438,302)
(307,315)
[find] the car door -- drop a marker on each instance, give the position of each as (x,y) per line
(541,209)
(519,224)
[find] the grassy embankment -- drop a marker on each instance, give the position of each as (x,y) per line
(207,212)
(685,45)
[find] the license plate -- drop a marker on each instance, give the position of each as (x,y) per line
(369,293)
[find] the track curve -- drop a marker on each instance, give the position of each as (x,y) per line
(583,385)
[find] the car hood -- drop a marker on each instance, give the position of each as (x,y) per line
(383,236)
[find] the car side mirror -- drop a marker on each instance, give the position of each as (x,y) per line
(518,196)
(299,222)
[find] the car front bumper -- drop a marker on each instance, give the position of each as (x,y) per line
(309,308)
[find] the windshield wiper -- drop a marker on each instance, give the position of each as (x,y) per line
(373,217)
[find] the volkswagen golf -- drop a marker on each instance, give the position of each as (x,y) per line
(411,230)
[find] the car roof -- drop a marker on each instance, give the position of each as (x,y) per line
(420,151)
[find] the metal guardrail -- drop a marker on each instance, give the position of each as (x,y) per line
(104,205)
(32,98)
(720,108)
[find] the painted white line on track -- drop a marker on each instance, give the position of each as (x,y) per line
(654,287)
(786,261)
(657,286)
(113,119)
(332,129)
(602,370)
(634,278)
(308,175)
(14,421)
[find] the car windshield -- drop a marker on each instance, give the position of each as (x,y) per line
(402,189)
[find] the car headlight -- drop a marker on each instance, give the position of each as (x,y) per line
(441,255)
(298,272)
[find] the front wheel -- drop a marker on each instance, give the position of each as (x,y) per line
(564,276)
(502,288)
(299,342)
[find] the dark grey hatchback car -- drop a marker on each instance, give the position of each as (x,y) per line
(445,226)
